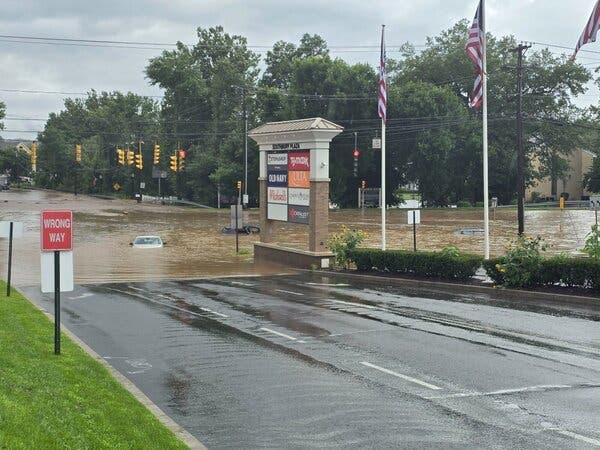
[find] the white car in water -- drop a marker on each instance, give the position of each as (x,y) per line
(147,242)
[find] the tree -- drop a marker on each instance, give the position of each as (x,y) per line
(207,88)
(15,161)
(2,114)
(591,180)
(100,123)
(550,82)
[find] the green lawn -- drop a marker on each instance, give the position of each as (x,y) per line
(67,401)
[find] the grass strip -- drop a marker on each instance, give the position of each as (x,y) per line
(66,401)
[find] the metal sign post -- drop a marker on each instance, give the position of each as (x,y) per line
(595,205)
(10,230)
(414,217)
(57,303)
(56,237)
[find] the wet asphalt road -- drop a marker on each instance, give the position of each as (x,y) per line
(305,361)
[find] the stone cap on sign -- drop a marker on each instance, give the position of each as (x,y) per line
(299,130)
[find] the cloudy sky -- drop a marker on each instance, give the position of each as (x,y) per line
(26,65)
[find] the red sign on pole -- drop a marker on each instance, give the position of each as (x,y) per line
(56,231)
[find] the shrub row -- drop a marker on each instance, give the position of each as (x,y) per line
(425,264)
(557,270)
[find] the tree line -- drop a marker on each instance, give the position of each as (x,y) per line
(433,138)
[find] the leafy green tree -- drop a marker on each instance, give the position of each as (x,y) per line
(591,180)
(207,90)
(15,161)
(100,123)
(2,114)
(549,84)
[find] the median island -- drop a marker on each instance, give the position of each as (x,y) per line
(66,401)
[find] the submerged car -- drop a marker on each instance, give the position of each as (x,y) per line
(147,242)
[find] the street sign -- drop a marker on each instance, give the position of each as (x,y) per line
(414,216)
(5,229)
(142,185)
(56,231)
(376,144)
(595,202)
(47,271)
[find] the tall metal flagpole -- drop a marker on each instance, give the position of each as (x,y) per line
(383,200)
(486,209)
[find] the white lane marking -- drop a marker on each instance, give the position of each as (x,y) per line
(202,308)
(169,306)
(278,333)
(541,387)
(579,437)
(359,332)
(353,304)
(289,292)
(399,375)
(213,312)
(239,283)
(136,289)
(328,284)
(79,297)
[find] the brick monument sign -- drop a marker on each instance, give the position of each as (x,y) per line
(294,187)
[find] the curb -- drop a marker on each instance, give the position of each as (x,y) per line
(502,293)
(181,433)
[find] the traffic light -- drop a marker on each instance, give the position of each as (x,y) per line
(33,156)
(130,157)
(239,184)
(156,154)
(121,156)
(78,152)
(174,162)
(182,155)
(363,184)
(356,154)
(139,163)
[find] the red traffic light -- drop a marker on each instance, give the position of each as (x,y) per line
(356,153)
(182,154)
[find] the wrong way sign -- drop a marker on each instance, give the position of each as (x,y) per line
(56,231)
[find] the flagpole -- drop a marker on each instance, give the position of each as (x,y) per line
(486,210)
(383,199)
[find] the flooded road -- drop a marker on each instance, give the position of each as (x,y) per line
(195,246)
(334,361)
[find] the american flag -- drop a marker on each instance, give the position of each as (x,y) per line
(382,92)
(475,52)
(591,29)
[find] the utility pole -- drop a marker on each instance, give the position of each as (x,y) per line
(245,149)
(520,150)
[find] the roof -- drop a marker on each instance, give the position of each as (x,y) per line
(315,123)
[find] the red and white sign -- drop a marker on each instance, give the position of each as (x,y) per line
(56,231)
(299,161)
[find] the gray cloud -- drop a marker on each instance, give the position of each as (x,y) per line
(76,69)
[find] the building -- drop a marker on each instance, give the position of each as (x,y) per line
(580,163)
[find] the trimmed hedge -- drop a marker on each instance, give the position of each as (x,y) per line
(556,270)
(425,264)
(553,271)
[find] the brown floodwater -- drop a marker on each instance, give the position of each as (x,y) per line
(195,246)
